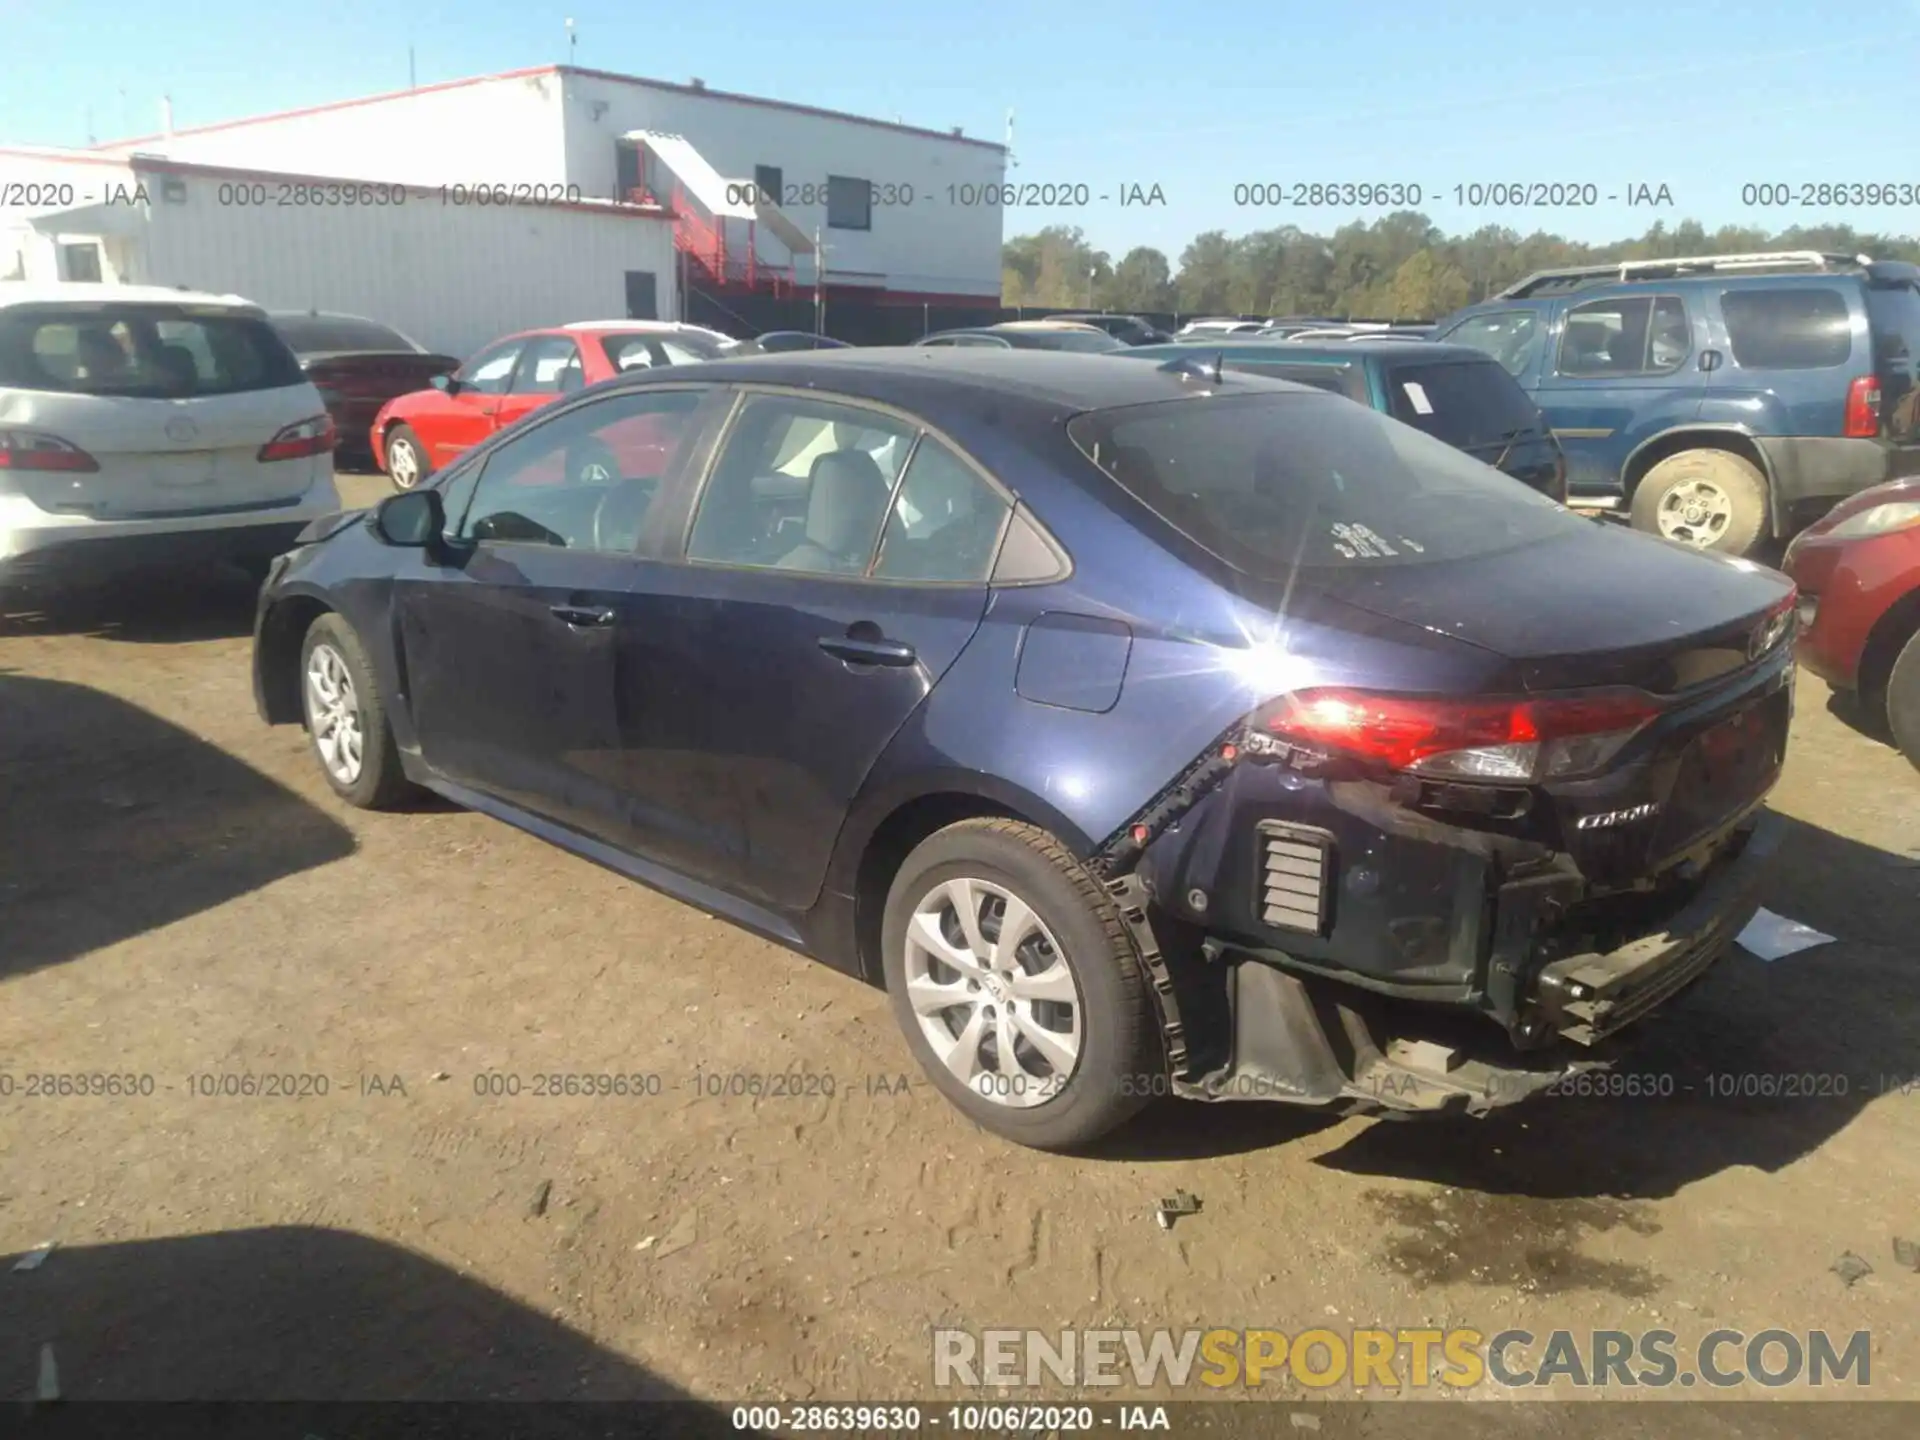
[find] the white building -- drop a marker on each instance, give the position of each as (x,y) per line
(453,276)
(906,215)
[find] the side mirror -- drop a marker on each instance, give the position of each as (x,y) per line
(447,384)
(413,519)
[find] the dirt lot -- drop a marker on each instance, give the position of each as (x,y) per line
(181,897)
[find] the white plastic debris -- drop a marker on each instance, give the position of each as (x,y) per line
(1774,937)
(35,1257)
(48,1387)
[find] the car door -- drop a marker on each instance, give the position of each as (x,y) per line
(549,367)
(1623,369)
(464,414)
(821,595)
(511,647)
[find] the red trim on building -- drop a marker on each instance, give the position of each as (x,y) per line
(162,165)
(64,157)
(789,106)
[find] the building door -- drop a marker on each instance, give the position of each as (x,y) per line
(643,301)
(81,262)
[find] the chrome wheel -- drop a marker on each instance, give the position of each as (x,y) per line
(992,992)
(1695,512)
(333,714)
(403,462)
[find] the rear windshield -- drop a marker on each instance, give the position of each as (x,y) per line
(167,352)
(1274,483)
(333,334)
(1895,313)
(1801,328)
(1060,340)
(1472,404)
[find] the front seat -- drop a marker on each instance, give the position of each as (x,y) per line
(846,503)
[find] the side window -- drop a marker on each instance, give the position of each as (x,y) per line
(1509,336)
(800,485)
(549,365)
(1787,329)
(1625,335)
(490,370)
(946,521)
(584,480)
(669,353)
(849,203)
(943,341)
(628,352)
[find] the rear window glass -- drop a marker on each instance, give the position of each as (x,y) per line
(150,351)
(1475,406)
(1895,313)
(1803,328)
(1509,336)
(1335,379)
(333,334)
(1276,483)
(1062,340)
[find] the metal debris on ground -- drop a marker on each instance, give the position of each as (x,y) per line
(1850,1267)
(542,1194)
(1174,1206)
(35,1257)
(1907,1253)
(1774,937)
(1300,1420)
(679,1236)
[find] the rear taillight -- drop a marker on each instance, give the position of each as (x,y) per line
(310,437)
(38,451)
(1863,408)
(1529,739)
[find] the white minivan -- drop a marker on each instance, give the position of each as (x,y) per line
(142,426)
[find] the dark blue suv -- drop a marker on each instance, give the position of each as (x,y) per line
(1716,400)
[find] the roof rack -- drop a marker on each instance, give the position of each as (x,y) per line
(1573,277)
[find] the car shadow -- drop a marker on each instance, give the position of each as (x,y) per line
(114,822)
(1859,717)
(332,1326)
(1756,1066)
(147,609)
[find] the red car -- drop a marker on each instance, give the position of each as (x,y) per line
(418,433)
(1858,569)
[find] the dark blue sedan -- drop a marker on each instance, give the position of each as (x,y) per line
(1142,731)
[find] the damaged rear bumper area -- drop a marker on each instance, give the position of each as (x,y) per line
(1313,1040)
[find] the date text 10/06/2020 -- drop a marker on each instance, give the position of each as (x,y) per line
(833,193)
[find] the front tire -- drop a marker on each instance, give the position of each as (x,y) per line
(1903,701)
(407,464)
(346,719)
(1017,986)
(1707,499)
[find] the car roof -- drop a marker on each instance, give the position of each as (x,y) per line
(661,325)
(71,292)
(1285,352)
(1041,325)
(900,375)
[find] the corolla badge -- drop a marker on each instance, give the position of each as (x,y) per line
(181,428)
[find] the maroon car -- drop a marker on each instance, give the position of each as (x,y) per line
(357,365)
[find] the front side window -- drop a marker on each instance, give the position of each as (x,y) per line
(800,485)
(945,524)
(549,365)
(849,203)
(1791,328)
(147,351)
(1276,483)
(584,480)
(1509,336)
(1626,335)
(491,371)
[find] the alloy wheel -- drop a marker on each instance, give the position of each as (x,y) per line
(333,714)
(1696,513)
(403,463)
(993,993)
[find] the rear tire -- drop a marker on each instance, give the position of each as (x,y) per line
(407,464)
(346,719)
(1707,499)
(1069,999)
(1903,701)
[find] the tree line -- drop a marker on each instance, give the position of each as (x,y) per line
(1399,266)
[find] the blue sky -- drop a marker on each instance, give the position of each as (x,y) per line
(1702,96)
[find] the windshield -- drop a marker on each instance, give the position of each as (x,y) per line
(169,352)
(333,334)
(1272,483)
(1473,404)
(1090,340)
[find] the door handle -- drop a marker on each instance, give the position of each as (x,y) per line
(868,652)
(584,617)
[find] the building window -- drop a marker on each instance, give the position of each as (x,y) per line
(849,203)
(80,262)
(768,180)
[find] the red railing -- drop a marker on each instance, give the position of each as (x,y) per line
(703,238)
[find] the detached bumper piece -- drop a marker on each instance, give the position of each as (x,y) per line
(1587,997)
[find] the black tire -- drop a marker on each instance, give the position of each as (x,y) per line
(1120,1065)
(380,784)
(1903,700)
(422,471)
(1735,477)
